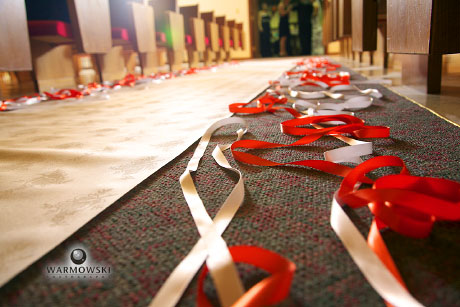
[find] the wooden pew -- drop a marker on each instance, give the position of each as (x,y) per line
(241,34)
(15,54)
(134,42)
(212,37)
(195,34)
(327,24)
(234,35)
(224,40)
(382,27)
(364,26)
(171,24)
(344,25)
(53,39)
(424,30)
(335,19)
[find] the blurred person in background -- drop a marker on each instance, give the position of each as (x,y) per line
(264,30)
(274,27)
(284,9)
(305,11)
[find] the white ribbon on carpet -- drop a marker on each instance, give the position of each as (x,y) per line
(210,247)
(368,262)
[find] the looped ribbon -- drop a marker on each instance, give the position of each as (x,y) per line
(332,91)
(64,94)
(211,247)
(266,103)
(270,290)
(406,204)
(352,125)
(330,79)
(327,108)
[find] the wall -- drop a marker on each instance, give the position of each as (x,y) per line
(235,9)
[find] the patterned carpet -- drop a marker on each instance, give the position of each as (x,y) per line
(146,233)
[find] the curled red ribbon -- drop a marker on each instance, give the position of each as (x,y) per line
(406,204)
(64,94)
(266,103)
(353,125)
(329,79)
(268,291)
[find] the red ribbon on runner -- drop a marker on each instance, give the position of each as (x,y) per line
(268,291)
(409,205)
(329,79)
(266,103)
(353,126)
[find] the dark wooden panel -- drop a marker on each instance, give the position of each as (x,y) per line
(224,32)
(234,35)
(408,26)
(14,37)
(91,23)
(189,12)
(364,25)
(241,33)
(208,16)
(344,18)
(221,21)
(445,32)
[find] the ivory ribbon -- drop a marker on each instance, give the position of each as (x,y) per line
(332,92)
(210,247)
(370,265)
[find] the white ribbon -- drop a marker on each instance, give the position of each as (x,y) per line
(332,92)
(367,261)
(353,103)
(210,247)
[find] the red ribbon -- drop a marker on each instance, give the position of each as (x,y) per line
(406,204)
(265,103)
(268,291)
(64,94)
(329,79)
(353,125)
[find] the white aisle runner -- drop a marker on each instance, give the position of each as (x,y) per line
(62,163)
